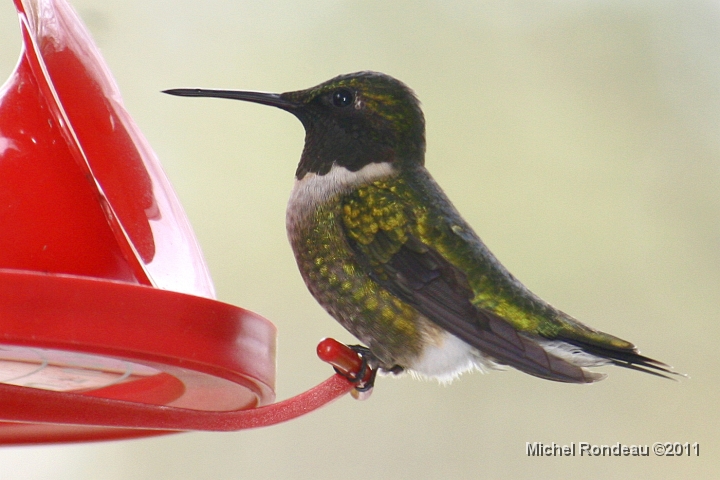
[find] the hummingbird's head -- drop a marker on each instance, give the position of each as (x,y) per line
(351,121)
(356,119)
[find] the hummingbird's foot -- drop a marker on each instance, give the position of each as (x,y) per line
(395,369)
(358,378)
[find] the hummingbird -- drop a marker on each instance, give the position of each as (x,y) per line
(384,251)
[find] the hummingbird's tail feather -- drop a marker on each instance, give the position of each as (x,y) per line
(627,358)
(560,360)
(499,341)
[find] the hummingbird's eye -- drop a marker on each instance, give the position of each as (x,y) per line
(342,97)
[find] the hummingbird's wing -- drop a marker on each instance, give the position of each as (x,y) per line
(419,256)
(422,278)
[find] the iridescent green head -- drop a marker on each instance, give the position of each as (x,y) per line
(351,120)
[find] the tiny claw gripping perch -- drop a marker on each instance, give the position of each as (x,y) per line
(351,362)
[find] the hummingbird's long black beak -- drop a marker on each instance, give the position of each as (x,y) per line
(272,99)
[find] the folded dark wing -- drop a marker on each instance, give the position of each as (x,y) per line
(421,277)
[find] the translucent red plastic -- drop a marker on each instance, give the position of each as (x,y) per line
(108,323)
(343,358)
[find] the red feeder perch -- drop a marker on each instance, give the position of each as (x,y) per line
(108,323)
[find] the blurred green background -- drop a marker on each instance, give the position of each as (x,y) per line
(580,138)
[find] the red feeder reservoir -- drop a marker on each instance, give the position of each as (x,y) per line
(109,327)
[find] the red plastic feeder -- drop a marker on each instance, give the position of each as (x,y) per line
(108,323)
